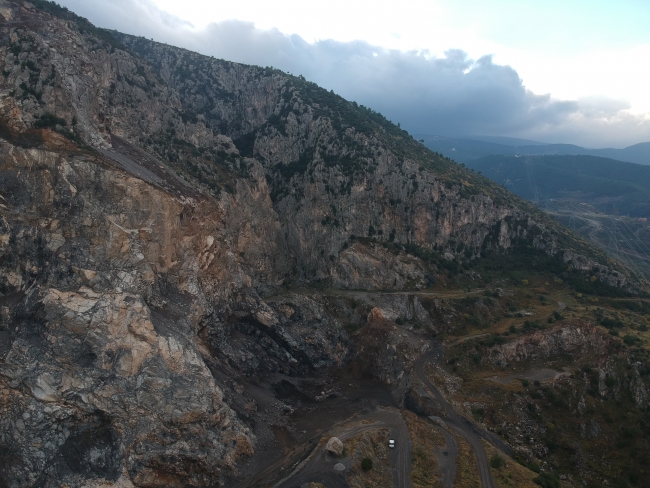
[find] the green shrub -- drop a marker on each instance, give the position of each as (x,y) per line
(493,339)
(48,120)
(531,326)
(525,383)
(366,464)
(631,340)
(547,480)
(497,461)
(611,323)
(419,452)
(533,466)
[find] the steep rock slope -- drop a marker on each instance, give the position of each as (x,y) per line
(153,201)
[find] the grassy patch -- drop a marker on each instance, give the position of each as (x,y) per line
(372,445)
(466,466)
(509,473)
(425,438)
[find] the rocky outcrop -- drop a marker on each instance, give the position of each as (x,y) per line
(596,270)
(373,267)
(388,353)
(574,339)
(293,335)
(101,394)
(638,387)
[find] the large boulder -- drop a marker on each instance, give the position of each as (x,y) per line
(335,446)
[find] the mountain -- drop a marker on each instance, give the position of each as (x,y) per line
(638,153)
(208,268)
(465,150)
(607,185)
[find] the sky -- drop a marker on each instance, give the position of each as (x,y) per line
(555,71)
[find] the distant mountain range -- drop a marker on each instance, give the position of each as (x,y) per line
(465,150)
(610,186)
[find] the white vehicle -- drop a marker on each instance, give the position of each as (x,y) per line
(391,443)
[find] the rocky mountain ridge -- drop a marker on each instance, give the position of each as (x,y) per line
(159,209)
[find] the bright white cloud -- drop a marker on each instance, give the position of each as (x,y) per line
(622,74)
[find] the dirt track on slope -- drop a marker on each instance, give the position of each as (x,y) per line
(461,425)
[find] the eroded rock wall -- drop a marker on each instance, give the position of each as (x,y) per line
(107,282)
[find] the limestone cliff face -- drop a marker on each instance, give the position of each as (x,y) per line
(331,173)
(153,203)
(334,171)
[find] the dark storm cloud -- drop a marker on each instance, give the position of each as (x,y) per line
(450,95)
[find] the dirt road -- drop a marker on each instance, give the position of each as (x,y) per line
(320,466)
(447,458)
(455,421)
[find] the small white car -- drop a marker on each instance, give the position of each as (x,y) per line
(391,443)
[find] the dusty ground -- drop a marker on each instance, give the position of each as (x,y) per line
(292,436)
(541,375)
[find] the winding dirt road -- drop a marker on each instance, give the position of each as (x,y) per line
(319,466)
(447,458)
(455,421)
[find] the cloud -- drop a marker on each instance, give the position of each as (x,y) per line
(451,95)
